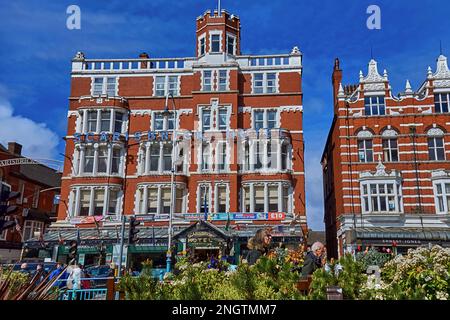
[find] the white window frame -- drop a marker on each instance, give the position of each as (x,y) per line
(215,33)
(80,156)
(280,184)
(216,197)
(33,226)
(200,38)
(379,106)
(440,102)
(166,85)
(444,195)
(211,80)
(112,121)
(200,200)
(165,121)
(365,150)
(398,196)
(142,192)
(214,117)
(265,118)
(104,86)
(145,157)
(75,199)
(226,165)
(435,148)
(265,83)
(230,35)
(389,150)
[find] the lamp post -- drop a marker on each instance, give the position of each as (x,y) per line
(167,114)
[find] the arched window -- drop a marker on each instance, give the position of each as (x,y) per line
(436,150)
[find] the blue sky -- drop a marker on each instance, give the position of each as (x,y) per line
(37,49)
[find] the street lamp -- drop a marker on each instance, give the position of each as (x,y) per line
(167,114)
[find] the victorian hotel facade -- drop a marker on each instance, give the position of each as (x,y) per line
(238,151)
(386,163)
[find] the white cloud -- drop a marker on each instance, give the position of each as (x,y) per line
(38,141)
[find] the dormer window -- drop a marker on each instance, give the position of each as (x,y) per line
(374,106)
(441,102)
(215,43)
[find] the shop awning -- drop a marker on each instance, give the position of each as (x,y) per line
(403,235)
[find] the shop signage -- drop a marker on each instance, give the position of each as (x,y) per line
(237,216)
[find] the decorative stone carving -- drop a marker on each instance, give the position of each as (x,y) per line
(435,132)
(389,133)
(381,169)
(373,75)
(364,134)
(295,50)
(79,56)
(440,173)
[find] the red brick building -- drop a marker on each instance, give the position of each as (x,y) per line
(386,163)
(238,126)
(38,185)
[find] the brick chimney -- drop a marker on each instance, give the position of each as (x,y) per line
(336,79)
(144,64)
(15,148)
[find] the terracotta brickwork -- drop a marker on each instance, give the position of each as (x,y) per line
(402,140)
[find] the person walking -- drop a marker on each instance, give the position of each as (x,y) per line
(258,245)
(314,259)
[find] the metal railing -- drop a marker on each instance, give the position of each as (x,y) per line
(84,294)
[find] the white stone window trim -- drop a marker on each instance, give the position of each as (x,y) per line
(144,158)
(166,84)
(215,80)
(201,37)
(215,33)
(250,166)
(277,82)
(209,145)
(398,195)
(216,196)
(200,201)
(436,133)
(217,159)
(104,86)
(142,191)
(75,199)
(79,159)
(81,124)
(165,121)
(265,118)
(214,117)
(203,78)
(230,35)
(443,194)
(266,184)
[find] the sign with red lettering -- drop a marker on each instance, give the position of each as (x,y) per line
(276,215)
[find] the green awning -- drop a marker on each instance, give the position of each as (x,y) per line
(144,249)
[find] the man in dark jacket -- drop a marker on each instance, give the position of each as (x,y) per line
(313,259)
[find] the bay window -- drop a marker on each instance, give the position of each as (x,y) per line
(441,190)
(266,197)
(101,120)
(94,201)
(156,199)
(155,157)
(102,159)
(381,196)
